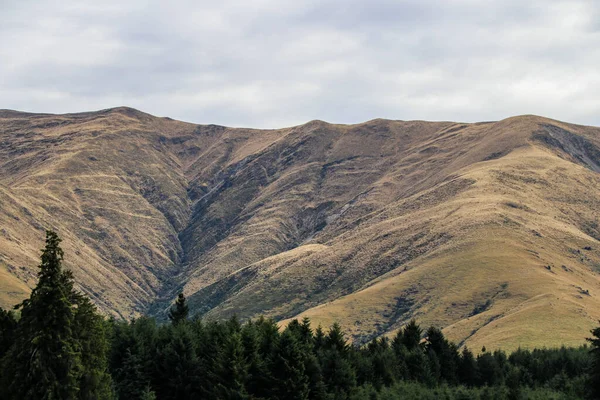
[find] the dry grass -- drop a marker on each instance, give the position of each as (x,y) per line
(478,228)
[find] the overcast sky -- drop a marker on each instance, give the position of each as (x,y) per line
(267,63)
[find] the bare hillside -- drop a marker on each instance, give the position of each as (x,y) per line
(489,230)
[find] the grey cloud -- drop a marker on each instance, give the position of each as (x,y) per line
(269,63)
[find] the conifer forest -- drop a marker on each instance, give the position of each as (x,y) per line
(56,345)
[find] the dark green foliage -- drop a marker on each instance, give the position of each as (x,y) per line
(411,336)
(468,371)
(419,367)
(229,360)
(8,326)
(594,382)
(90,333)
(490,373)
(58,348)
(414,391)
(290,379)
(133,356)
(233,369)
(382,366)
(319,340)
(61,348)
(258,374)
(255,360)
(44,357)
(130,376)
(180,310)
(177,363)
(335,340)
(444,357)
(339,376)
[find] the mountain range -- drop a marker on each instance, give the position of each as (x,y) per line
(489,230)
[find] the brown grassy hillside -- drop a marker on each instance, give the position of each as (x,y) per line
(489,230)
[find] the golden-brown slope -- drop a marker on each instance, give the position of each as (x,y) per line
(461,221)
(368,224)
(517,260)
(93,177)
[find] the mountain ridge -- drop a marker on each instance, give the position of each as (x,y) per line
(335,222)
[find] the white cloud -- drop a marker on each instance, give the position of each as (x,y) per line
(269,63)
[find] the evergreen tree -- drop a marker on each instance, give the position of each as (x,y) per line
(44,362)
(134,357)
(446,354)
(268,332)
(290,380)
(398,343)
(400,352)
(233,369)
(418,367)
(180,310)
(490,372)
(319,338)
(383,363)
(362,364)
(294,327)
(513,382)
(317,388)
(338,374)
(131,380)
(8,326)
(306,333)
(467,369)
(411,335)
(435,366)
(89,329)
(58,347)
(335,339)
(258,375)
(594,379)
(176,364)
(312,367)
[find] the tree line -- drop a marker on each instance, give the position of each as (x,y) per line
(56,345)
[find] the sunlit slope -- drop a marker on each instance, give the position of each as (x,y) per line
(520,270)
(498,224)
(99,179)
(489,230)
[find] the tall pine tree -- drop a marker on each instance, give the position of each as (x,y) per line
(180,310)
(290,380)
(59,347)
(44,361)
(411,335)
